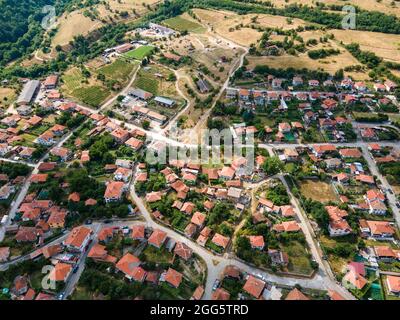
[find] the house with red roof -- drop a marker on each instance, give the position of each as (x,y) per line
(78,238)
(138,232)
(257,242)
(173,277)
(157,238)
(114,191)
(220,240)
(393,284)
(130,266)
(254,287)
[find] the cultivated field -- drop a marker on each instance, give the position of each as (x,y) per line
(318,191)
(330,64)
(89,91)
(119,70)
(76,23)
(134,8)
(184,23)
(153,79)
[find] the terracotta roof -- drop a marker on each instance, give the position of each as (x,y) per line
(106,232)
(157,238)
(74,197)
(127,265)
(90,202)
(231,271)
(173,277)
(350,153)
(4,254)
(220,294)
(296,294)
(138,232)
(51,250)
(198,218)
(254,286)
(183,251)
(220,240)
(114,190)
(77,236)
(393,283)
(355,279)
(60,272)
(334,295)
(41,177)
(198,293)
(47,166)
(287,226)
(153,197)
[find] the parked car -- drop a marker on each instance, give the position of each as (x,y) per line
(216,285)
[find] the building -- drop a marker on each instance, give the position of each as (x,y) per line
(114,191)
(157,238)
(165,102)
(78,238)
(393,284)
(51,82)
(254,286)
(60,272)
(29,91)
(140,94)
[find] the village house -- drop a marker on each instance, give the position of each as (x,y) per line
(379,230)
(78,238)
(114,191)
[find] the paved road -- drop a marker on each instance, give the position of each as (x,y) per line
(324,267)
(375,171)
(24,190)
(216,264)
(74,278)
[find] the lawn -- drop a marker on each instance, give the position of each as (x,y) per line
(182,24)
(139,53)
(318,191)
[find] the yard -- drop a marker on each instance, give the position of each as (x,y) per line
(318,191)
(152,254)
(299,260)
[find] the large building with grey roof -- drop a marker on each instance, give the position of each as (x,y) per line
(29,91)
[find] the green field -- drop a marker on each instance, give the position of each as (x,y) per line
(182,24)
(139,53)
(119,70)
(90,94)
(147,82)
